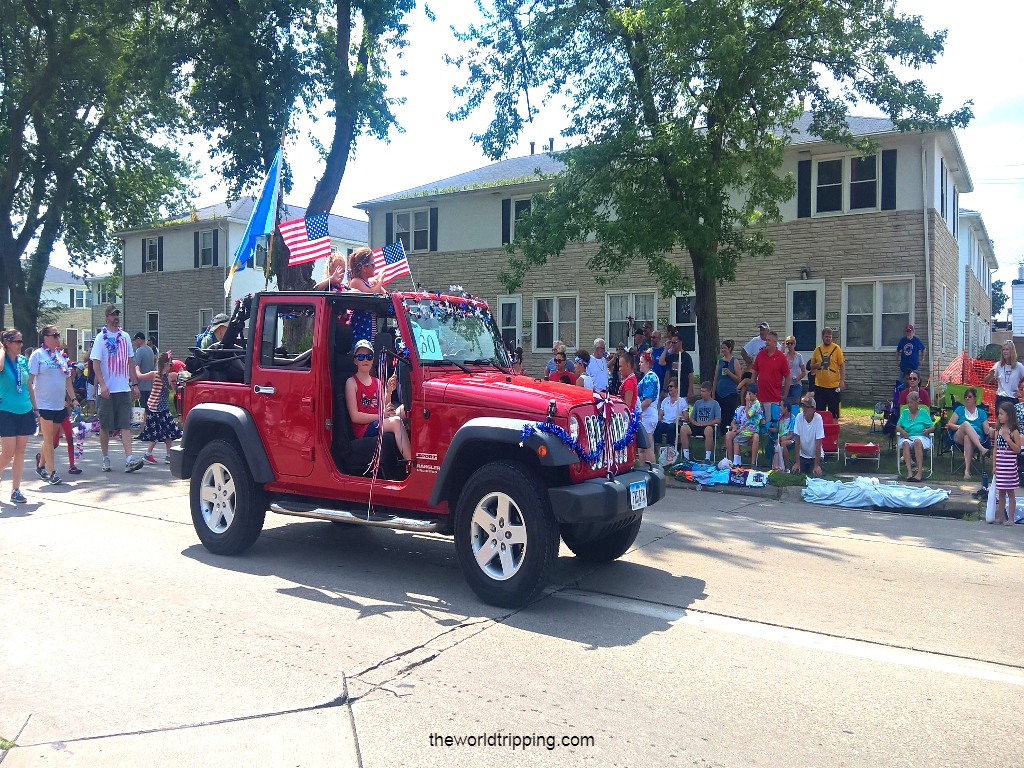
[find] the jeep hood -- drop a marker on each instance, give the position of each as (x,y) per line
(514,394)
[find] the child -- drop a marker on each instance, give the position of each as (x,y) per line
(1008,445)
(160,425)
(746,425)
(785,427)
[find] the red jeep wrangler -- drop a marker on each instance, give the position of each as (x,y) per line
(267,427)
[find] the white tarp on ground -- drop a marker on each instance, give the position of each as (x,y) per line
(869,492)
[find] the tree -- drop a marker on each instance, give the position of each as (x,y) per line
(999,297)
(85,96)
(681,112)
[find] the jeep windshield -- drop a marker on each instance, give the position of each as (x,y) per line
(454,332)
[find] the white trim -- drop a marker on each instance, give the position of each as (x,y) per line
(945,307)
(156,260)
(517,299)
(149,330)
(533,319)
(846,157)
(412,227)
(817,285)
(877,309)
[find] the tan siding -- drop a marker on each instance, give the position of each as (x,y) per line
(178,297)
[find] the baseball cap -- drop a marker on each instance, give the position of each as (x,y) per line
(752,389)
(362,344)
(910,327)
(764,324)
(112,310)
(219,321)
(139,335)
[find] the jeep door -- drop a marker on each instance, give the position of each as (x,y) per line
(284,374)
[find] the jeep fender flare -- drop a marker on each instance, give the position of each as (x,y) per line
(498,430)
(226,418)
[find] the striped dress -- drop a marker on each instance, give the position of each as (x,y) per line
(1006,466)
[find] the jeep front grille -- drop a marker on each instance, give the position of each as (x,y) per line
(619,425)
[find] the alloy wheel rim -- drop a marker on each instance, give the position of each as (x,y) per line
(217,498)
(498,536)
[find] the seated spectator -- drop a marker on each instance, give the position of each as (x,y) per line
(556,349)
(915,428)
(808,435)
(582,363)
(80,384)
(914,385)
(969,427)
(746,427)
(704,417)
(670,411)
(784,429)
(561,373)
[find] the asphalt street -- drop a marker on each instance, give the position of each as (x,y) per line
(737,632)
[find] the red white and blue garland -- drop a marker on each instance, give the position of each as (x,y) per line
(573,444)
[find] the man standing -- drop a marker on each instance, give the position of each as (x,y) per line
(755,345)
(597,368)
(771,372)
(829,368)
(808,433)
(218,327)
(909,350)
(680,365)
(145,362)
(656,350)
(640,343)
(561,373)
(117,385)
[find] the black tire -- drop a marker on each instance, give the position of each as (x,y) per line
(530,508)
(605,548)
(249,502)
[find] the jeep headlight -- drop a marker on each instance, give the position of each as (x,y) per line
(574,428)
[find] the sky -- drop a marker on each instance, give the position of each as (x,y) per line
(983,61)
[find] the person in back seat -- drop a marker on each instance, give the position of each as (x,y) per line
(361,399)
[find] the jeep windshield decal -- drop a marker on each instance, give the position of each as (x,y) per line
(455,331)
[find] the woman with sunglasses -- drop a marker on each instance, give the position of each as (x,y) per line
(361,398)
(50,379)
(797,370)
(17,409)
(969,427)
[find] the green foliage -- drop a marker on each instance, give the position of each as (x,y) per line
(992,352)
(681,113)
(999,297)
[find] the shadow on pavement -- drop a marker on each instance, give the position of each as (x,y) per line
(383,573)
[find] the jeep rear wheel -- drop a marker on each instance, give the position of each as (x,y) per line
(606,548)
(228,508)
(506,538)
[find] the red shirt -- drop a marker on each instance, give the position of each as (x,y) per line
(772,370)
(366,402)
(628,385)
(926,400)
(557,376)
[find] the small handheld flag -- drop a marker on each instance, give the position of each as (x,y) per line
(307,239)
(391,260)
(261,221)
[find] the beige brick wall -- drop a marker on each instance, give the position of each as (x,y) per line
(178,297)
(945,269)
(881,244)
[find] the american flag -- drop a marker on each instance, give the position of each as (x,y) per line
(307,239)
(392,261)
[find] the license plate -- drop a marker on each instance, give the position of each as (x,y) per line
(638,494)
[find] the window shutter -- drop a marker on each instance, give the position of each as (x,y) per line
(433,229)
(160,254)
(215,248)
(888,179)
(72,302)
(195,246)
(803,189)
(506,220)
(143,255)
(389,228)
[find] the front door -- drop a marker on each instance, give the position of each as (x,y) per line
(805,307)
(283,390)
(71,344)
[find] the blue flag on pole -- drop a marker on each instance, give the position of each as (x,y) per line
(261,221)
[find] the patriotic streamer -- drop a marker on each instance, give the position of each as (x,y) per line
(603,445)
(375,461)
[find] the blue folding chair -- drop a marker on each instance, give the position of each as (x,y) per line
(954,447)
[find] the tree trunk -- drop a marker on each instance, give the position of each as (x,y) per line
(705,306)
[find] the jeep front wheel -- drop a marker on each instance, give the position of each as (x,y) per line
(228,507)
(506,538)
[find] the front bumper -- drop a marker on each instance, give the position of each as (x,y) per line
(605,501)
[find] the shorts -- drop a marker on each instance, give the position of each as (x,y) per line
(57,417)
(650,421)
(743,438)
(372,429)
(17,424)
(115,411)
(806,466)
(90,391)
(926,442)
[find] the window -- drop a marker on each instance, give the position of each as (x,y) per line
(805,312)
(877,312)
(413,229)
(510,310)
(555,317)
(105,295)
(260,253)
(519,209)
(830,186)
(206,248)
(205,317)
(286,335)
(153,327)
(152,254)
(863,182)
(943,318)
(77,299)
(684,318)
(620,307)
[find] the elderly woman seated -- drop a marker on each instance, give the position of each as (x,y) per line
(969,428)
(915,427)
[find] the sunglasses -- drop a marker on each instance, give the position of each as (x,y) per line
(15,341)
(972,397)
(54,335)
(559,359)
(364,356)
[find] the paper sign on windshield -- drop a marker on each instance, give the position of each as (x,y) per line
(427,344)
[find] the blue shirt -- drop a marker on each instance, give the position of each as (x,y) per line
(659,370)
(726,386)
(981,416)
(649,388)
(910,353)
(11,400)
